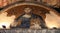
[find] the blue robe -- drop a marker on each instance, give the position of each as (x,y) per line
(26,21)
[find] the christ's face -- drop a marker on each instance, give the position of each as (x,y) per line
(27,10)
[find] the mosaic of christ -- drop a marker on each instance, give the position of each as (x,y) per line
(29,16)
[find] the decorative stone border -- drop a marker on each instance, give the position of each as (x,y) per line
(29,31)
